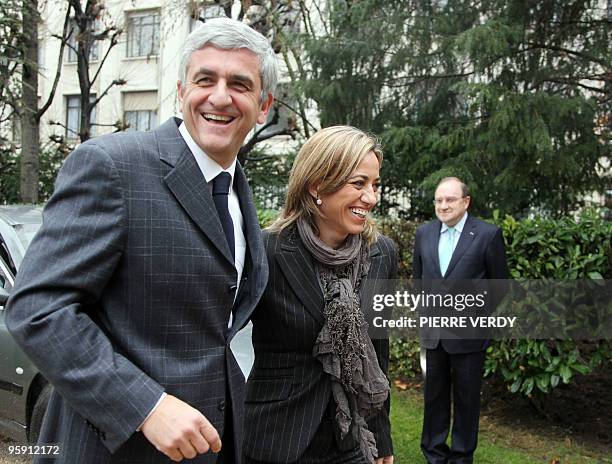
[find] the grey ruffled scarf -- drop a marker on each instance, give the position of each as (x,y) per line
(343,346)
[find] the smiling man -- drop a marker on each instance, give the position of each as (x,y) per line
(146,247)
(455,246)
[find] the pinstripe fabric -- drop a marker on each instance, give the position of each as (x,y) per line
(125,293)
(287,391)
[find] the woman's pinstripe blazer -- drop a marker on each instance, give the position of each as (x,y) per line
(287,391)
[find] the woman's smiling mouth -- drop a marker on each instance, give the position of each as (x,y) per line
(362,213)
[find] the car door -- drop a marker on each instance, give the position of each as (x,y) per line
(11,389)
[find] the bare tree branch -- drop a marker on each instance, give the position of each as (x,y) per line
(114,42)
(61,124)
(111,85)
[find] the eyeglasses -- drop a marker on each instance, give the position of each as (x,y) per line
(448,200)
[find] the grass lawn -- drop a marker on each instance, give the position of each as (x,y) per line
(497,443)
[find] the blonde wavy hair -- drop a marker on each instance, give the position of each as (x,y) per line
(327,160)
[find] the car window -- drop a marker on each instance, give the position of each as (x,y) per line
(6,277)
(6,256)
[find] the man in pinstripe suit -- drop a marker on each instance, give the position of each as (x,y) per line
(137,281)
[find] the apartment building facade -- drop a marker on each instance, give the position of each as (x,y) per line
(146,58)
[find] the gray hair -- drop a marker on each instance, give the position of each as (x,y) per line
(229,34)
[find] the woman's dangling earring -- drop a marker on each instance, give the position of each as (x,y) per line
(319,201)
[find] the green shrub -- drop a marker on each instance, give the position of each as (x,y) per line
(404,358)
(565,248)
(266,217)
(539,248)
(402,233)
(403,352)
(9,174)
(50,160)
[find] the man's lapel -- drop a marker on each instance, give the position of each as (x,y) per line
(433,237)
(187,184)
(465,240)
(256,274)
(296,264)
(189,187)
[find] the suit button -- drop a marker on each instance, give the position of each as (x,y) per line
(221,406)
(232,288)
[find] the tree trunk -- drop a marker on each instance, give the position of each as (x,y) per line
(28,186)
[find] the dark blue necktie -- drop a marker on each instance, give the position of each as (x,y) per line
(221,187)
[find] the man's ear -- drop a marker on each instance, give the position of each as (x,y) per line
(179,91)
(265,109)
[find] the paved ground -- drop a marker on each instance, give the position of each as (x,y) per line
(6,457)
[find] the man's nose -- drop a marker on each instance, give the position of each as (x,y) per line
(220,95)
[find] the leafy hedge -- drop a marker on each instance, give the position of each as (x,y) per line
(566,248)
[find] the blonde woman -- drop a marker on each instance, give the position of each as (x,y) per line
(318,391)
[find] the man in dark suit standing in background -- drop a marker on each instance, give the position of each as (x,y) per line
(456,246)
(133,289)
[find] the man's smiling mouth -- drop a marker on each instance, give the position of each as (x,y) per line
(217,118)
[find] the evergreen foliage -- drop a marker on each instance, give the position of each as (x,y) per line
(513,96)
(51,157)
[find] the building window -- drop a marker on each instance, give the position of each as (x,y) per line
(143,34)
(73,116)
(72,44)
(140,110)
(142,120)
(203,13)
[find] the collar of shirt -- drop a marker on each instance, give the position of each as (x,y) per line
(458,227)
(209,167)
